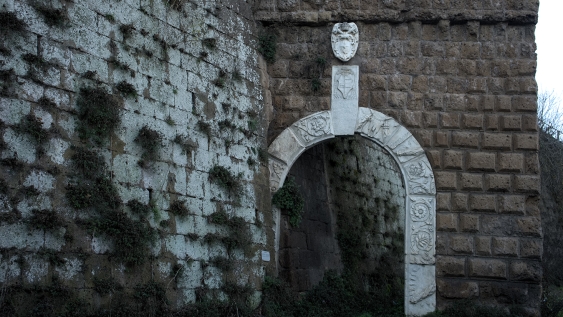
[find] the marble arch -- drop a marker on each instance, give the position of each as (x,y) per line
(418,177)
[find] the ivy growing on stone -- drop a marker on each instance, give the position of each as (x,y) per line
(289,199)
(126,89)
(267,46)
(179,208)
(150,141)
(33,126)
(98,114)
(223,177)
(10,21)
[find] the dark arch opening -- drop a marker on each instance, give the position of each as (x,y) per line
(353,219)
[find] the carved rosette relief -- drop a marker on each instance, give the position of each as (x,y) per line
(345,38)
(314,128)
(421,230)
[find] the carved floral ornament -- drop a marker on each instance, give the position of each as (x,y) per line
(344,40)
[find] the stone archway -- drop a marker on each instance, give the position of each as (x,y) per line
(418,177)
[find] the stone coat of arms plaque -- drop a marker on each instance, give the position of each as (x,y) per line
(344,40)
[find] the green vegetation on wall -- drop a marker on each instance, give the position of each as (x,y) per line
(289,200)
(99,115)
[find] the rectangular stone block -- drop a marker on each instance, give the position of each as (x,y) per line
(465,139)
(525,103)
(497,225)
(472,121)
(461,244)
(446,222)
(529,226)
(511,122)
(488,268)
(471,181)
(505,246)
(453,159)
(500,141)
(449,120)
(526,271)
(483,245)
(443,201)
(442,139)
(469,223)
(446,180)
(486,203)
(511,162)
(527,142)
(531,248)
(481,161)
(515,204)
(450,266)
(527,183)
(459,202)
(455,289)
(498,182)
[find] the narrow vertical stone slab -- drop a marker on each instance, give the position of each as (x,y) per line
(420,289)
(344,99)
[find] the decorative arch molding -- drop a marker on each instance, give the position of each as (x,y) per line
(418,177)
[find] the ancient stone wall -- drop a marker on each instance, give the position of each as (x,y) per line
(460,76)
(132,164)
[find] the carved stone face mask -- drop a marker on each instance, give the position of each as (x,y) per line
(344,40)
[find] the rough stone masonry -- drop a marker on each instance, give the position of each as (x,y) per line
(182,160)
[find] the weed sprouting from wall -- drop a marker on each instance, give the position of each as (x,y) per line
(263,156)
(131,238)
(238,237)
(99,115)
(219,217)
(150,141)
(204,127)
(289,199)
(10,21)
(209,43)
(153,298)
(186,145)
(46,103)
(126,30)
(170,121)
(315,85)
(226,179)
(177,5)
(138,208)
(32,126)
(7,81)
(105,286)
(226,124)
(179,208)
(53,17)
(126,89)
(221,81)
(88,164)
(222,263)
(45,219)
(267,46)
(98,193)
